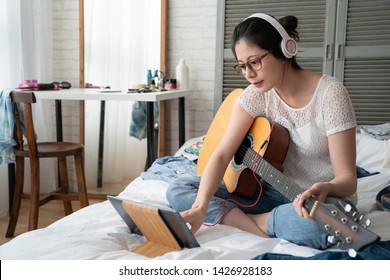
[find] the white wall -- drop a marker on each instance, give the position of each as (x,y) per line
(191,35)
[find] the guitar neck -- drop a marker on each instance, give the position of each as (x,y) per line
(271,175)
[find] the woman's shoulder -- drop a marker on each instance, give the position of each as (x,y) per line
(328,80)
(330,86)
(250,99)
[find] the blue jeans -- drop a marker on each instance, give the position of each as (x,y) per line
(283,221)
(379,250)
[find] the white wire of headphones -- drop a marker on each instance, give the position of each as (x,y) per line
(288,45)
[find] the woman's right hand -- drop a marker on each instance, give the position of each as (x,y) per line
(195,217)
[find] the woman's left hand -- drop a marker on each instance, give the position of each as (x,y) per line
(319,191)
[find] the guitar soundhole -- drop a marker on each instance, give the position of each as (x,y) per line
(239,156)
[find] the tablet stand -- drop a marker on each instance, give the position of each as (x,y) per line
(159,239)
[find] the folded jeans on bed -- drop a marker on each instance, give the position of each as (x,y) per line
(361,172)
(383,199)
(376,251)
(168,168)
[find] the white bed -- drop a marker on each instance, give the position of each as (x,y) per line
(98,232)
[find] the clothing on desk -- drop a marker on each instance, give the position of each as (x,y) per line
(138,122)
(7,122)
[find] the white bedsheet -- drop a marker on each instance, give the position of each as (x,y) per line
(98,232)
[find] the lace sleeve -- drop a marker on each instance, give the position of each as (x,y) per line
(252,101)
(337,109)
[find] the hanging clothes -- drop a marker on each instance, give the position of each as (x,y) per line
(6,127)
(138,122)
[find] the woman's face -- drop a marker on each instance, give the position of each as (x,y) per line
(271,70)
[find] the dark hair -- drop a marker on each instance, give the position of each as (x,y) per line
(262,34)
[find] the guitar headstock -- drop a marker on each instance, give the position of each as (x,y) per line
(344,231)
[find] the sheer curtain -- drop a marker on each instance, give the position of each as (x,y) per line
(122,41)
(25,53)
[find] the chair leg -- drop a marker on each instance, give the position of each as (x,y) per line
(64,183)
(17,199)
(81,184)
(35,194)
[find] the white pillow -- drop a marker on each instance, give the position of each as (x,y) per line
(369,152)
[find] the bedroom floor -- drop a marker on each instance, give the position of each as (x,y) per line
(53,210)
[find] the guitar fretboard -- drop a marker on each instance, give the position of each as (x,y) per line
(271,175)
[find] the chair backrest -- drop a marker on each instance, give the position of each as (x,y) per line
(24,121)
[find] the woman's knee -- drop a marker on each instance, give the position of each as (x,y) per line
(181,192)
(284,223)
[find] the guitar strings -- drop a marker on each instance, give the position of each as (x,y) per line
(241,153)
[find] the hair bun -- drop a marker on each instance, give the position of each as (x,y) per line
(290,23)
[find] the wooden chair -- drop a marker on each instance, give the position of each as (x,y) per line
(35,151)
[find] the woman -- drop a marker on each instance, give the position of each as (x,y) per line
(317,112)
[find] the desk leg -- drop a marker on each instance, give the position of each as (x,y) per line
(58,105)
(181,121)
(101,144)
(150,133)
(11,184)
(59,132)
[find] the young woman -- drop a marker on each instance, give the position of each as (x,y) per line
(317,112)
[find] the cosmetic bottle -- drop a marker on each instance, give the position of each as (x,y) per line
(182,79)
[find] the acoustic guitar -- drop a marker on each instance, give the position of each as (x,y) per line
(273,148)
(263,152)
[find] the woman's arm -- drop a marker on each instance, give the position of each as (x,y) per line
(215,168)
(342,149)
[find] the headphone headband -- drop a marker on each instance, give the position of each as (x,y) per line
(288,45)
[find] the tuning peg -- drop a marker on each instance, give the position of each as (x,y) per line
(367,223)
(332,239)
(348,207)
(352,253)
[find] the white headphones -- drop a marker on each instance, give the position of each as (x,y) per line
(288,45)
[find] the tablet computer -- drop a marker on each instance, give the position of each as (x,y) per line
(171,218)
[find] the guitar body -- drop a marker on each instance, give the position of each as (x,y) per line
(271,145)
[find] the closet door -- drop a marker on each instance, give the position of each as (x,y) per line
(362,57)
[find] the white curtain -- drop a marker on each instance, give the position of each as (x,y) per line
(25,54)
(122,41)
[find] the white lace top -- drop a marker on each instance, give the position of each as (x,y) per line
(329,111)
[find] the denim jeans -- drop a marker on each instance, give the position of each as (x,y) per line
(283,221)
(379,250)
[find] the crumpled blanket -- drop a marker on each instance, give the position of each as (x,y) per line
(379,132)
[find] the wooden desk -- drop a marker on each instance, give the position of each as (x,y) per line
(83,94)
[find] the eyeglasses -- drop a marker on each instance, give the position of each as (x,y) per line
(254,64)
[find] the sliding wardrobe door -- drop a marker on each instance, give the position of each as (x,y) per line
(362,57)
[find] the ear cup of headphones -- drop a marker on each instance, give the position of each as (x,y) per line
(288,45)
